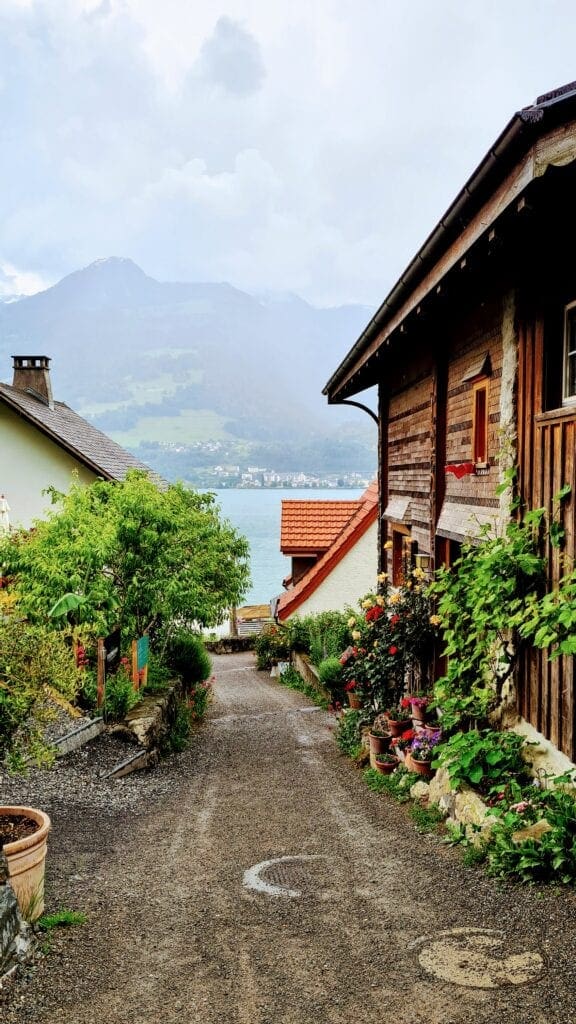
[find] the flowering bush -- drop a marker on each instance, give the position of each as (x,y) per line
(392,641)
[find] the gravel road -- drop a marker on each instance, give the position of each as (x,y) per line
(388,926)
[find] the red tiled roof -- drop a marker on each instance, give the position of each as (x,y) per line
(366,514)
(311,527)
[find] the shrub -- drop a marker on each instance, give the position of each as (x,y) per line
(272,645)
(330,673)
(349,731)
(486,759)
(33,660)
(187,656)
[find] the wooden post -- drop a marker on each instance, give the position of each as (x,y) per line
(135,679)
(101,677)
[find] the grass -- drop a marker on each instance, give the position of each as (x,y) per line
(426,819)
(61,919)
(396,785)
(294,681)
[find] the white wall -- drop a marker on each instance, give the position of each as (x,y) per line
(354,576)
(30,462)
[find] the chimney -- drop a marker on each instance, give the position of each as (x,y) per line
(32,375)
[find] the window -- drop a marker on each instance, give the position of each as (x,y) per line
(480,424)
(403,551)
(569,387)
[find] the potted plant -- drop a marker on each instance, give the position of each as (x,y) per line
(23,839)
(355,696)
(419,758)
(402,743)
(385,763)
(418,705)
(379,739)
(398,721)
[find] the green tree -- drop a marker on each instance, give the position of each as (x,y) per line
(128,554)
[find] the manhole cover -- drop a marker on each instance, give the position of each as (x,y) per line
(477,958)
(282,876)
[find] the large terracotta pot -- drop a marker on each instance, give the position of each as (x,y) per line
(379,744)
(25,859)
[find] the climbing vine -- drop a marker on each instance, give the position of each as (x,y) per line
(492,601)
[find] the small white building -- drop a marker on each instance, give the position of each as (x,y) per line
(334,549)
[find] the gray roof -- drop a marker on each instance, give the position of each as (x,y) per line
(75,435)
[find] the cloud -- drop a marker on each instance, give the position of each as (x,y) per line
(20,282)
(305,147)
(231,58)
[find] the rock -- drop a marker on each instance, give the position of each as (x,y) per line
(441,792)
(420,791)
(14,941)
(535,831)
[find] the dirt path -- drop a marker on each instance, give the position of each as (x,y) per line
(174,935)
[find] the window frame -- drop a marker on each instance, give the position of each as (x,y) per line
(568,399)
(480,423)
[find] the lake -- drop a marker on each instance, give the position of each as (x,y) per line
(256,514)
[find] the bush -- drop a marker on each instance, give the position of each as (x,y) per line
(322,635)
(349,731)
(33,660)
(330,673)
(272,645)
(486,759)
(187,656)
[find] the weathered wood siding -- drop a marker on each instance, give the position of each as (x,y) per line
(410,451)
(546,443)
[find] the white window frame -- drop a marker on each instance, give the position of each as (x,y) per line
(568,399)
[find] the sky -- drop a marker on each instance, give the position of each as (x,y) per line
(306,146)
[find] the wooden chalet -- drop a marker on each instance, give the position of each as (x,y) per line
(474,355)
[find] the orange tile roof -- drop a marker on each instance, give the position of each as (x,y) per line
(311,527)
(366,514)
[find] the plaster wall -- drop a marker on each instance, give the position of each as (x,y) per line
(29,463)
(353,577)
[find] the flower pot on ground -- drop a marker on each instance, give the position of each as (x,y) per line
(23,838)
(379,741)
(418,767)
(420,755)
(385,763)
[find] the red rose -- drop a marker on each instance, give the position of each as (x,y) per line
(393,650)
(394,620)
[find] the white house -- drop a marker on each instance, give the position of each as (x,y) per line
(44,443)
(334,549)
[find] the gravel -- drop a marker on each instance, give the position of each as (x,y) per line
(157,860)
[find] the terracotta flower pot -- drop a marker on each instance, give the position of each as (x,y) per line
(418,713)
(419,767)
(386,767)
(355,701)
(398,727)
(25,858)
(379,744)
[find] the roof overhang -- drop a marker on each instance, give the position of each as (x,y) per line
(536,138)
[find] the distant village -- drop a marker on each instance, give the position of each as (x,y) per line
(255,477)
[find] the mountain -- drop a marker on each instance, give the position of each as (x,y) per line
(153,361)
